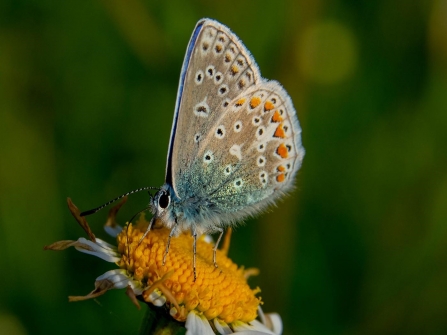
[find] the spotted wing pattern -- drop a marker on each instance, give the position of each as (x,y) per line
(217,68)
(236,142)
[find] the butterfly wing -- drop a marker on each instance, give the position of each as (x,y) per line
(249,157)
(216,68)
(236,141)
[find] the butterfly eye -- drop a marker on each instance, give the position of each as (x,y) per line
(164,200)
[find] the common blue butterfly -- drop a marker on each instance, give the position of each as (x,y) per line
(235,142)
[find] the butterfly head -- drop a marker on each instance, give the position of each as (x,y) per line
(161,203)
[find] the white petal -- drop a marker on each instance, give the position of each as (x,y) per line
(222,327)
(111,273)
(121,279)
(160,301)
(136,287)
(274,322)
(106,245)
(197,325)
(153,296)
(113,231)
(251,332)
(255,327)
(261,315)
(100,249)
(259,326)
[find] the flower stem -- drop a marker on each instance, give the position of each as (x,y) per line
(157,321)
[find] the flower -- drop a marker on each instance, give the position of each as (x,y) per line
(219,300)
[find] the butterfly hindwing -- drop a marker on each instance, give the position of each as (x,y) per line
(251,154)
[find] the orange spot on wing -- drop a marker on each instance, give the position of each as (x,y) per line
(234,69)
(282,151)
(277,117)
(279,132)
(268,106)
(281,168)
(281,177)
(255,102)
(240,102)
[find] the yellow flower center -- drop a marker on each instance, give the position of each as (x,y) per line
(220,292)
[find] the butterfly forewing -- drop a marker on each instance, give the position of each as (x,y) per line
(218,68)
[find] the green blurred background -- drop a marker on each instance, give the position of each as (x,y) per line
(87,93)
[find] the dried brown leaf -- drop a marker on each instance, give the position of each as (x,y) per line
(81,220)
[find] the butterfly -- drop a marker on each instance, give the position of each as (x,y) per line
(235,144)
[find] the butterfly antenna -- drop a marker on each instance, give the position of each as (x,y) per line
(97,209)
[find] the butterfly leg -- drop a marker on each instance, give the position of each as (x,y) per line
(168,244)
(147,230)
(194,250)
(216,245)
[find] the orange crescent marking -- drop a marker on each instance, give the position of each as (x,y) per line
(281,168)
(279,132)
(255,101)
(277,117)
(280,178)
(268,106)
(240,102)
(282,151)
